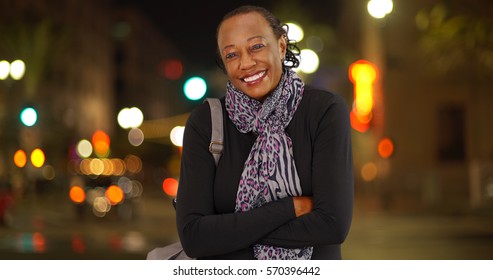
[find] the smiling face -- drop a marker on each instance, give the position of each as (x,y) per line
(251,54)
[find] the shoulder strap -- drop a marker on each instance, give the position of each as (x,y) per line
(216,145)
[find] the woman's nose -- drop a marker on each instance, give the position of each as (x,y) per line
(247,61)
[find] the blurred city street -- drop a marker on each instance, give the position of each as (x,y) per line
(49,229)
(92,114)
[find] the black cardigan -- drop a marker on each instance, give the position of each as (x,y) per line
(207,225)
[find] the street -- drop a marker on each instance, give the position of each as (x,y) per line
(49,228)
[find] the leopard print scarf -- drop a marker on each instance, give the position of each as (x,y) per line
(269,172)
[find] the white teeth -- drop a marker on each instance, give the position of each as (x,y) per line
(254,77)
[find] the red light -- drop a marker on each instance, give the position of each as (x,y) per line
(385,148)
(170,186)
(171,69)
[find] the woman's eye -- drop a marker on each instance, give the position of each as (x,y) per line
(230,55)
(257,46)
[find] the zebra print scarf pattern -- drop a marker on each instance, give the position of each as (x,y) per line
(269,172)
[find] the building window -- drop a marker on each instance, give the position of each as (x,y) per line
(451,133)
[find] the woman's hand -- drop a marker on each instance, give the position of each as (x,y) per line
(302,205)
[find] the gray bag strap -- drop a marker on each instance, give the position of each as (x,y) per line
(217,138)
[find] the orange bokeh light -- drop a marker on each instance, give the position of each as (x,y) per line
(101,143)
(385,147)
(362,74)
(20,158)
(363,71)
(356,124)
(170,186)
(114,194)
(77,194)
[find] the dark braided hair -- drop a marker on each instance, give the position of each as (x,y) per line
(292,51)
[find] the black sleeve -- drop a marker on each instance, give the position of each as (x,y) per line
(202,232)
(332,185)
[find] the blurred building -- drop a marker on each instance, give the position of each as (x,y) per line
(433,100)
(85,60)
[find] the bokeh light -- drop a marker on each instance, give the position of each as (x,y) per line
(77,194)
(17,69)
(133,163)
(38,158)
(369,171)
(96,166)
(295,32)
(101,206)
(38,242)
(114,194)
(84,148)
(385,147)
(135,137)
(170,186)
(172,69)
(309,61)
(20,158)
(380,8)
(29,116)
(195,88)
(101,143)
(176,135)
(78,244)
(4,69)
(48,172)
(362,74)
(130,117)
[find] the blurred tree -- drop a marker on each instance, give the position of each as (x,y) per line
(454,36)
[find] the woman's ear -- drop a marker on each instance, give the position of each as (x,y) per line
(282,46)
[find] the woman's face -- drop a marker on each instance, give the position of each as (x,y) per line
(251,54)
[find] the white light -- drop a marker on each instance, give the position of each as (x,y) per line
(4,69)
(176,135)
(309,61)
(17,69)
(84,148)
(295,32)
(136,117)
(380,8)
(135,137)
(130,117)
(123,118)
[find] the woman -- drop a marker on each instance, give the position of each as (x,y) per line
(283,188)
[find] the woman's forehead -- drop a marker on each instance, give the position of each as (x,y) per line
(243,26)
